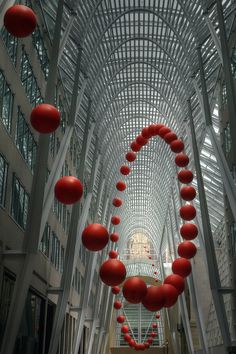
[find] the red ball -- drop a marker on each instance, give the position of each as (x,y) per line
(20,21)
(171,295)
(125,170)
(121,186)
(127,337)
(153,334)
(141,140)
(95,237)
(68,190)
(187,249)
(134,290)
(158,315)
(135,146)
(117,202)
(153,265)
(112,272)
(187,212)
(117,304)
(163,131)
(115,290)
(147,345)
(155,273)
(185,176)
(125,329)
(177,145)
(154,325)
(150,340)
(181,160)
(177,281)
(188,193)
(113,254)
(189,231)
(115,220)
(150,257)
(130,156)
(146,133)
(120,319)
(132,343)
(154,299)
(182,267)
(154,128)
(45,118)
(169,137)
(114,237)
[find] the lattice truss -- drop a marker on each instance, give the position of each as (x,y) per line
(139,58)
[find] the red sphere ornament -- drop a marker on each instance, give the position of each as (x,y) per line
(125,170)
(125,329)
(141,140)
(153,265)
(117,202)
(120,319)
(185,176)
(115,220)
(187,249)
(114,237)
(127,337)
(95,237)
(182,160)
(153,334)
(177,281)
(189,231)
(113,254)
(177,145)
(154,299)
(68,190)
(154,128)
(134,290)
(182,267)
(150,257)
(155,273)
(188,193)
(150,340)
(45,118)
(120,186)
(147,345)
(146,133)
(154,325)
(187,212)
(169,137)
(112,272)
(171,295)
(117,305)
(130,156)
(158,315)
(115,290)
(163,131)
(20,21)
(135,146)
(132,343)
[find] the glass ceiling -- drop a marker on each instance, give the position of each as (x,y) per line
(139,58)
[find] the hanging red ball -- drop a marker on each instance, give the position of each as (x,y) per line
(127,337)
(182,267)
(177,145)
(134,290)
(20,21)
(187,249)
(147,345)
(117,202)
(114,237)
(141,140)
(185,176)
(135,146)
(132,343)
(112,272)
(169,137)
(189,231)
(146,133)
(187,212)
(120,186)
(45,118)
(154,325)
(130,156)
(171,295)
(150,340)
(188,193)
(125,329)
(177,281)
(182,160)
(120,319)
(115,290)
(117,304)
(125,170)
(155,128)
(158,315)
(163,131)
(153,334)
(115,220)
(68,190)
(150,257)
(154,299)
(95,237)
(113,254)
(153,265)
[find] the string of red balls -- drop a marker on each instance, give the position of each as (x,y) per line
(21,21)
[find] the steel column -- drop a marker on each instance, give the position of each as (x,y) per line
(214,277)
(31,238)
(214,36)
